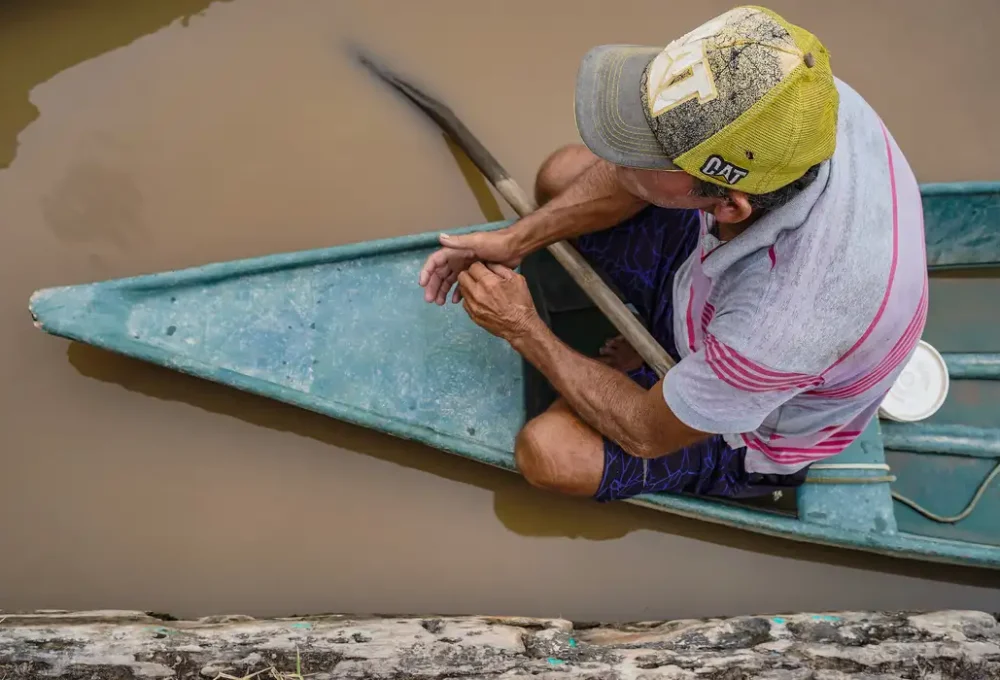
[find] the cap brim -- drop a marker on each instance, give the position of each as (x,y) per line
(609,112)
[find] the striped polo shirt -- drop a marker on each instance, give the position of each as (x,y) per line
(791,333)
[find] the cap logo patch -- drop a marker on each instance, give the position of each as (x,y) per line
(681,71)
(716,166)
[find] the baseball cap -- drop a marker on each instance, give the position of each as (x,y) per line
(746,100)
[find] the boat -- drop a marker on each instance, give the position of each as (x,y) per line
(344,331)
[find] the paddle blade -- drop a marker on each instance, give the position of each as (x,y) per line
(440,114)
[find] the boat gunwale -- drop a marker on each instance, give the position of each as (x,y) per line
(971,188)
(959,188)
(214,271)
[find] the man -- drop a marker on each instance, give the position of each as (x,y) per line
(769,231)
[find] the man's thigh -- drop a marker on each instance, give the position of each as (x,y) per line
(707,468)
(641,257)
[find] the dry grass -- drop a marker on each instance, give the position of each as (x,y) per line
(272,672)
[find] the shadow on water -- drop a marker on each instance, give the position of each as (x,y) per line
(477,183)
(75,32)
(522,509)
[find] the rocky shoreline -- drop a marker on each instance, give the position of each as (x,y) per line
(106,645)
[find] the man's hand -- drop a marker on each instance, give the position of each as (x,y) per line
(457,254)
(595,200)
(498,300)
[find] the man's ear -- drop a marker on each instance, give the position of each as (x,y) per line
(734,208)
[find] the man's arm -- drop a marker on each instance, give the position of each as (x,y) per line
(498,300)
(609,401)
(595,200)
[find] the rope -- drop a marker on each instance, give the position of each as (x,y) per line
(851,480)
(954,518)
(849,466)
(895,494)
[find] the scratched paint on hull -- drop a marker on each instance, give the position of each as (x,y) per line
(345,332)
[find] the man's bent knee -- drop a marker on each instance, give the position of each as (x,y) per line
(560,169)
(547,459)
(532,459)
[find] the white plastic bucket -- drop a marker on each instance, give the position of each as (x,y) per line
(920,389)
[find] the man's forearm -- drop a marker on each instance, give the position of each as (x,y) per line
(605,398)
(594,201)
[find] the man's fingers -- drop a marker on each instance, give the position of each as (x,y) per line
(436,260)
(425,273)
(438,278)
(442,259)
(612,343)
(445,288)
(479,271)
(501,271)
(466,284)
(431,288)
(453,240)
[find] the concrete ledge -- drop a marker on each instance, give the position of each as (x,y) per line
(105,645)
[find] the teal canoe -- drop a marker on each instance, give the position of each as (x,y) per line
(344,331)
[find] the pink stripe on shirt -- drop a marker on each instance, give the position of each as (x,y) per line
(707,315)
(789,455)
(741,373)
(899,352)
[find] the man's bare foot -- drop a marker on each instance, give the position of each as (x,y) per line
(619,354)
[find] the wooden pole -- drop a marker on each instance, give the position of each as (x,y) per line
(571,260)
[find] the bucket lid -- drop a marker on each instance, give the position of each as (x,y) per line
(920,389)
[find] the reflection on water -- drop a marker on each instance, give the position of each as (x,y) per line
(40,38)
(171,134)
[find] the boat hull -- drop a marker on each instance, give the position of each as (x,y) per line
(345,332)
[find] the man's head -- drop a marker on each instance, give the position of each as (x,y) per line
(735,115)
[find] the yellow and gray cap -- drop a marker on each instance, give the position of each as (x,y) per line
(746,100)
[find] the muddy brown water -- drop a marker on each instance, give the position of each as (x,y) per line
(140,137)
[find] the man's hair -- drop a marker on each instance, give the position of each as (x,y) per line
(761,202)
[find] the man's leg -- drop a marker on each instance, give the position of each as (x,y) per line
(560,169)
(558,452)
